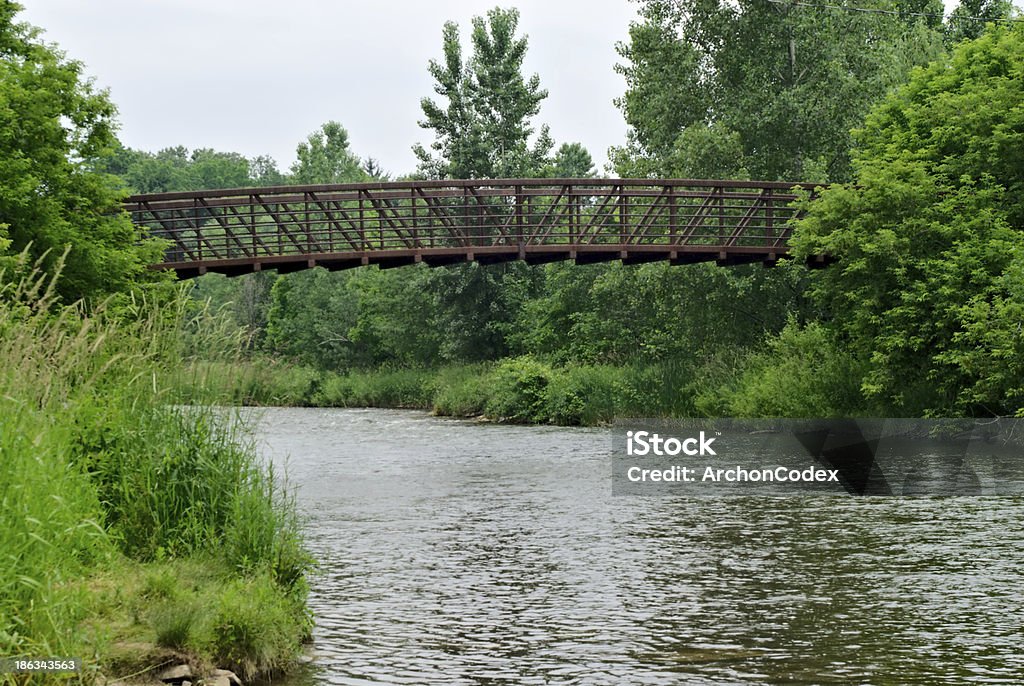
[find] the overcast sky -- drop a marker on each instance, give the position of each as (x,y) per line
(257,76)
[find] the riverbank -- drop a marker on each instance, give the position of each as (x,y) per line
(133,531)
(521,390)
(799,373)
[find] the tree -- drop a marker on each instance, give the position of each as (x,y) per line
(324,157)
(649,313)
(967,20)
(373,170)
(751,89)
(247,298)
(310,315)
(177,169)
(312,312)
(777,85)
(571,161)
(54,126)
(930,243)
(484,129)
(263,171)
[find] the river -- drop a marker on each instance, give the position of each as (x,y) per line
(455,552)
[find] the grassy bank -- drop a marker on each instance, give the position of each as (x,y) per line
(131,529)
(520,390)
(799,373)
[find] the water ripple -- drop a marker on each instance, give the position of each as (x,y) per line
(458,553)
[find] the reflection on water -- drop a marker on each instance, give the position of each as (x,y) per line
(458,553)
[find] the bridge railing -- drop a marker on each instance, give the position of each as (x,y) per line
(439,217)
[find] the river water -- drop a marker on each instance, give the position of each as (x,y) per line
(454,552)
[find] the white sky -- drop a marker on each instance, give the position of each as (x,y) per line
(257,76)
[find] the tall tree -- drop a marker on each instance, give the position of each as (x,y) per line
(571,161)
(927,289)
(312,312)
(778,85)
(484,129)
(324,157)
(54,126)
(968,18)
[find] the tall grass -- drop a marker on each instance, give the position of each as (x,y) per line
(95,464)
(525,390)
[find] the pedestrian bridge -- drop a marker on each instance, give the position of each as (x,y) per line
(288,228)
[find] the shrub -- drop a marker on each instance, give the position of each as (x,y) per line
(461,391)
(255,627)
(176,624)
(94,463)
(519,390)
(584,395)
(803,373)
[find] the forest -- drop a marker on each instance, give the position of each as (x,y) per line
(135,512)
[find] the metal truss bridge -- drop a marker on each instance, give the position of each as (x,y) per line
(288,228)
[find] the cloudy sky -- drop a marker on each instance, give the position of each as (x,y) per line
(257,76)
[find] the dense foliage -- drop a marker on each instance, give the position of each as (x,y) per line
(758,89)
(928,288)
(122,509)
(103,484)
(101,481)
(754,89)
(52,122)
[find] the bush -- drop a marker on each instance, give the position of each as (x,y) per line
(803,373)
(584,396)
(176,624)
(461,391)
(663,389)
(255,627)
(519,390)
(94,465)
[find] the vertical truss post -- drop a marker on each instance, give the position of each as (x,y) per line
(194,219)
(571,212)
(624,213)
(518,190)
(529,214)
(720,190)
(308,223)
(415,223)
(481,231)
(672,213)
(252,222)
(280,229)
(363,238)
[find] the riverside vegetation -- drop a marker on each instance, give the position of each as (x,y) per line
(132,531)
(136,522)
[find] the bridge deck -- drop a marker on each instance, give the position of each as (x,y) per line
(491,220)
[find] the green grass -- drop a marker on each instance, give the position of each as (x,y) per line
(524,390)
(100,471)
